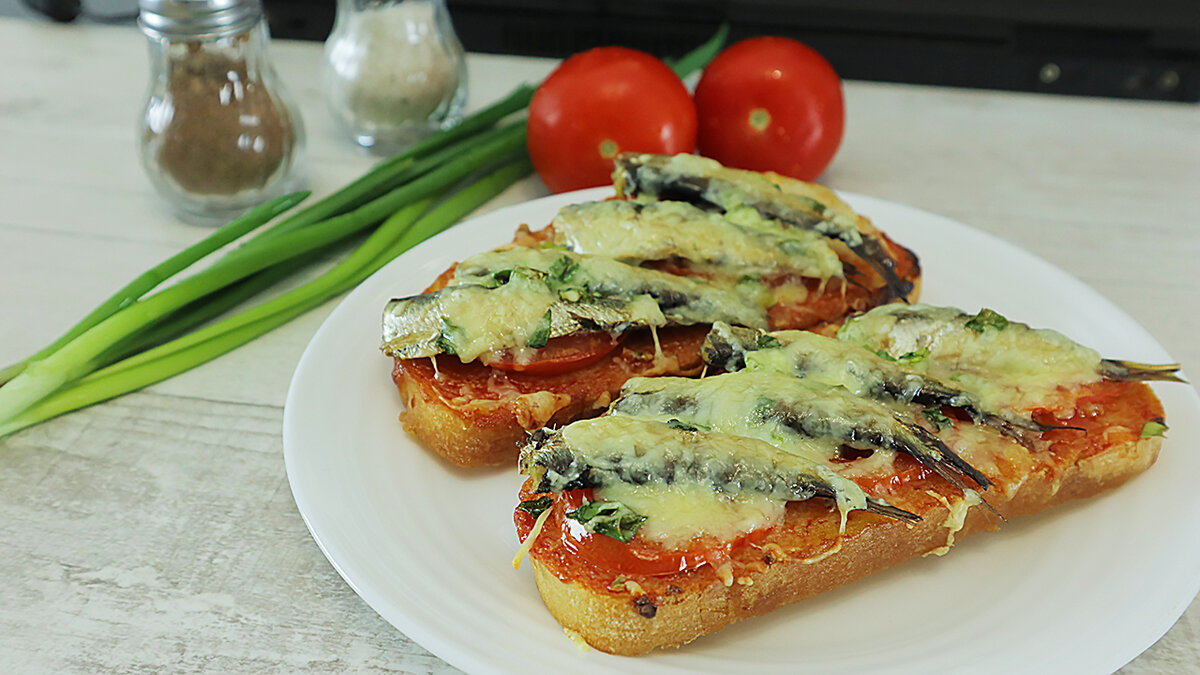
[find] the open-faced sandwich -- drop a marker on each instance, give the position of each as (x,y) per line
(812,461)
(548,329)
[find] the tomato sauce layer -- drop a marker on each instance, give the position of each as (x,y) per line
(464,386)
(599,559)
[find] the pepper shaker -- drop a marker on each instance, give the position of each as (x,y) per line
(218,133)
(394,71)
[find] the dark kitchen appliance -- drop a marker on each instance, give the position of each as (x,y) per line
(1148,49)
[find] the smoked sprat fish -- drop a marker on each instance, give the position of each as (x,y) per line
(661,231)
(606,450)
(519,298)
(836,363)
(748,195)
(1005,364)
(795,415)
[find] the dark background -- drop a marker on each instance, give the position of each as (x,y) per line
(1148,49)
(1122,48)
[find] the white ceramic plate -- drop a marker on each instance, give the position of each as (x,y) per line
(1082,589)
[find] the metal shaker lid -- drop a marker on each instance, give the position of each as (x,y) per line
(197,18)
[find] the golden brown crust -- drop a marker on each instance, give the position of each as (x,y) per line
(681,608)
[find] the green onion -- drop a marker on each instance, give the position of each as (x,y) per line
(458,162)
(203,310)
(700,56)
(76,358)
(202,346)
(163,271)
(393,171)
(131,340)
(384,177)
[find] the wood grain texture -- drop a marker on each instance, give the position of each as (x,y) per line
(157,532)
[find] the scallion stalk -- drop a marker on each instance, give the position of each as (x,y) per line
(208,343)
(393,171)
(700,56)
(147,281)
(73,359)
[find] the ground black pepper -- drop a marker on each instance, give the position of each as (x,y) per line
(645,606)
(228,133)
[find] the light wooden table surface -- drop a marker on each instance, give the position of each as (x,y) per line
(157,531)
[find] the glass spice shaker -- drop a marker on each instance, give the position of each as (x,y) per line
(218,134)
(394,71)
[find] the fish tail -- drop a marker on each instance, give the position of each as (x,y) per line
(1131,371)
(885,509)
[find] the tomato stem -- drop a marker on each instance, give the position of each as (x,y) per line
(760,119)
(609,148)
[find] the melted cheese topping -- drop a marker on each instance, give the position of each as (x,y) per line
(486,320)
(828,361)
(734,403)
(643,443)
(662,230)
(1015,367)
(514,300)
(575,637)
(678,514)
(699,481)
(523,549)
(955,519)
(739,192)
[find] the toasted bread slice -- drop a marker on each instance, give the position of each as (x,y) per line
(630,614)
(474,414)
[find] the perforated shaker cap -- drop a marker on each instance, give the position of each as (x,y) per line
(197,18)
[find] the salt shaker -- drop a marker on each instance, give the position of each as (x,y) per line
(394,71)
(218,133)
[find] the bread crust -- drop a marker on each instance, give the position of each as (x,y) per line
(617,623)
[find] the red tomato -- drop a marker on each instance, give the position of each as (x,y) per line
(561,354)
(771,104)
(635,557)
(602,102)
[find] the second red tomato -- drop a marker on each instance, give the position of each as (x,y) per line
(602,102)
(771,104)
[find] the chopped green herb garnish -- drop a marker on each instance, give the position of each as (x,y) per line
(937,418)
(985,319)
(534,507)
(674,423)
(1154,429)
(766,341)
(496,279)
(445,339)
(525,273)
(541,334)
(914,357)
(764,407)
(909,357)
(563,268)
(612,519)
(502,276)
